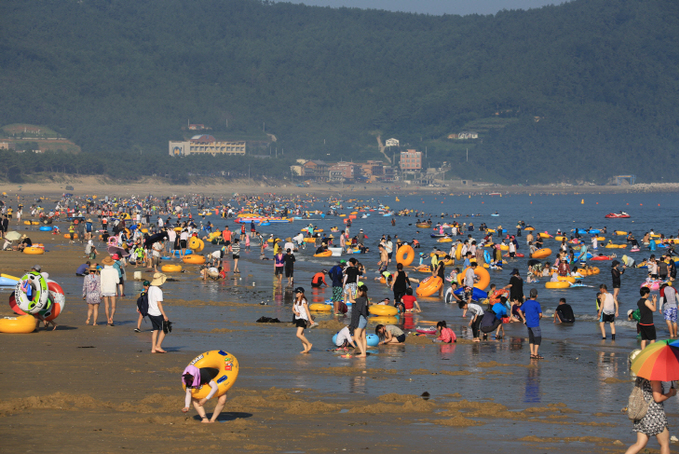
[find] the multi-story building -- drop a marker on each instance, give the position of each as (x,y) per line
(206,144)
(411,161)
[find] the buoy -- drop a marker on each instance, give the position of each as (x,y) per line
(582,202)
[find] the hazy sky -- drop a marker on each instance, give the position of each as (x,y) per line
(461,7)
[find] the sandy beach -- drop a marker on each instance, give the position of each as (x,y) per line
(82,388)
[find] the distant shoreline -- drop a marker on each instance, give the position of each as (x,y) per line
(91,185)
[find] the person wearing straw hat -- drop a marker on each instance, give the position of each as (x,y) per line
(156,312)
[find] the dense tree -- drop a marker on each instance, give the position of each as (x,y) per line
(584,90)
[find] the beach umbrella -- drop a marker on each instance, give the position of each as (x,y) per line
(13,235)
(658,361)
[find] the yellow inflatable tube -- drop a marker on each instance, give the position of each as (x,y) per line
(384,320)
(226,363)
(323,254)
(481,273)
(405,255)
(429,286)
(320,307)
(541,253)
(381,309)
(560,284)
(34,251)
(18,325)
(193,259)
(171,268)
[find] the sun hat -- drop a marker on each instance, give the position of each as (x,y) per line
(629,312)
(108,261)
(116,257)
(158,279)
(515,271)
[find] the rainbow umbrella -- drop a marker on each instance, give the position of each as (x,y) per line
(658,361)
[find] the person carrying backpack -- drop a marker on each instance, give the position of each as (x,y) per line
(142,305)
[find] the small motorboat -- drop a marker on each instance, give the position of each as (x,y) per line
(621,214)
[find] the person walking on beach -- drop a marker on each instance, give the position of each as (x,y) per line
(156,312)
(235,251)
(336,273)
(351,274)
(289,260)
(92,294)
(608,310)
(278,265)
(654,423)
(531,313)
(109,284)
(359,319)
(646,309)
(194,378)
(302,317)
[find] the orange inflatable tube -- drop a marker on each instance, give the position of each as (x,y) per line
(405,255)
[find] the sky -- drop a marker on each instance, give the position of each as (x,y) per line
(461,7)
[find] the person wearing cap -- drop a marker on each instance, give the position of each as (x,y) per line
(302,318)
(289,261)
(336,274)
(156,312)
(109,284)
(319,279)
(531,313)
(92,294)
(616,272)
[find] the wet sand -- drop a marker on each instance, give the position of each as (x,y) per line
(98,389)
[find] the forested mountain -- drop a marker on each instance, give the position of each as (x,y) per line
(584,90)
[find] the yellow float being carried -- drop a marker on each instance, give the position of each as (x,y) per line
(196,244)
(225,363)
(481,273)
(405,255)
(429,286)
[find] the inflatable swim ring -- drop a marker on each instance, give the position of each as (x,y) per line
(541,253)
(405,255)
(320,307)
(324,254)
(32,293)
(33,251)
(429,286)
(382,309)
(570,279)
(423,225)
(23,324)
(559,284)
(194,259)
(178,253)
(196,244)
(68,236)
(444,240)
(600,258)
(428,330)
(481,273)
(171,268)
(46,228)
(384,320)
(226,363)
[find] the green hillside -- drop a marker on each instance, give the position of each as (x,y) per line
(580,91)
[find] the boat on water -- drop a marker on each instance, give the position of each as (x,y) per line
(621,214)
(495,193)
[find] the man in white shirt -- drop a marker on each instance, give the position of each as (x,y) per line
(608,310)
(156,313)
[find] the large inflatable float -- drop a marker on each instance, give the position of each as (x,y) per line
(225,363)
(193,259)
(429,286)
(483,275)
(32,293)
(541,253)
(382,309)
(23,324)
(405,255)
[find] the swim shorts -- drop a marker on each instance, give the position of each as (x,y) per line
(647,332)
(610,318)
(362,322)
(670,314)
(336,294)
(156,322)
(535,335)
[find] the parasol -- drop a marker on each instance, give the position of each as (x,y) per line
(658,361)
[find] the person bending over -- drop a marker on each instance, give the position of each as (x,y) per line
(194,378)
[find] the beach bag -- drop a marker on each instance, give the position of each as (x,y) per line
(637,406)
(143,304)
(342,307)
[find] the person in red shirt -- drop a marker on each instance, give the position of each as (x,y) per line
(226,236)
(410,302)
(319,279)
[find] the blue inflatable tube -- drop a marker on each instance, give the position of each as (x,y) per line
(487,257)
(477,294)
(46,228)
(177,253)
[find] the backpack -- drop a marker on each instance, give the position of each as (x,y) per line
(143,304)
(637,405)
